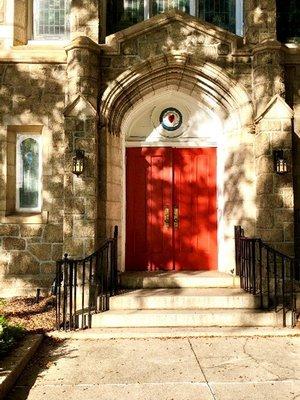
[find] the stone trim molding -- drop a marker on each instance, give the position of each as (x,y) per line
(160,20)
(180,71)
(80,106)
(83,42)
(286,111)
(39,218)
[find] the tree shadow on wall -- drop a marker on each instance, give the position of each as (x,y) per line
(33,95)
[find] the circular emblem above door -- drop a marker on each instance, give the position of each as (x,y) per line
(171,119)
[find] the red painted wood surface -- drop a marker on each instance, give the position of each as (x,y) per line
(167,178)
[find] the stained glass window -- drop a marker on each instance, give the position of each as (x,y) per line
(28,194)
(123,13)
(51,19)
(159,6)
(219,12)
(227,14)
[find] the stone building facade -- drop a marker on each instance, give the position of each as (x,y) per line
(98,94)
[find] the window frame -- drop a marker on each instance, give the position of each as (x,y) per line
(20,137)
(32,26)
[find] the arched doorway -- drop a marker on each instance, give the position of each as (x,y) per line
(171,184)
(216,114)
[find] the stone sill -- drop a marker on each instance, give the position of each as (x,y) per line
(37,53)
(59,44)
(25,218)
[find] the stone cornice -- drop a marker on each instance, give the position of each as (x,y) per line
(83,42)
(85,102)
(286,111)
(269,45)
(34,55)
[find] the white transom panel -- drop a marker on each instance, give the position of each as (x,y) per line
(149,122)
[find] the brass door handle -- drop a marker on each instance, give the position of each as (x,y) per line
(176,217)
(167,217)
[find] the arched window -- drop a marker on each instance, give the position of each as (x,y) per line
(29,165)
(51,19)
(227,14)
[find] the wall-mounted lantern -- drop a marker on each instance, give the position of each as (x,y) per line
(280,162)
(78,162)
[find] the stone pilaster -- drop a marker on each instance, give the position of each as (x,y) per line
(83,57)
(268,74)
(275,199)
(81,132)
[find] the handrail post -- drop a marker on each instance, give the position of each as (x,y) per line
(89,322)
(65,294)
(58,294)
(237,241)
(293,299)
(99,275)
(115,260)
(260,275)
(268,278)
(71,295)
(283,291)
(275,282)
(256,264)
(253,266)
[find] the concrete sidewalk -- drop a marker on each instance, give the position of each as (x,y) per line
(164,369)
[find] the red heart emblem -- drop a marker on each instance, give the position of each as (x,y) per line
(171,118)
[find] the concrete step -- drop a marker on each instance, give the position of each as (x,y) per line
(185,318)
(185,298)
(174,279)
(173,332)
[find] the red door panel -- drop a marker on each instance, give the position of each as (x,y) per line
(194,196)
(161,183)
(149,193)
(159,199)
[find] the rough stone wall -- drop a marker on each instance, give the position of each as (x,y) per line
(275,200)
(275,197)
(260,21)
(293,85)
(268,74)
(176,36)
(32,98)
(80,193)
(81,132)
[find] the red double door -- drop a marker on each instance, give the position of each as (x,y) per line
(171,218)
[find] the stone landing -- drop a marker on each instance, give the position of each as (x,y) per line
(182,279)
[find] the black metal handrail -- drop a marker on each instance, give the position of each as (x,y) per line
(268,273)
(83,286)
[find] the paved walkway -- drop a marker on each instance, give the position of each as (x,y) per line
(164,369)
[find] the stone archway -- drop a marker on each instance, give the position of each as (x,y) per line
(211,89)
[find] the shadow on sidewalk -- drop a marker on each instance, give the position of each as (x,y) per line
(48,353)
